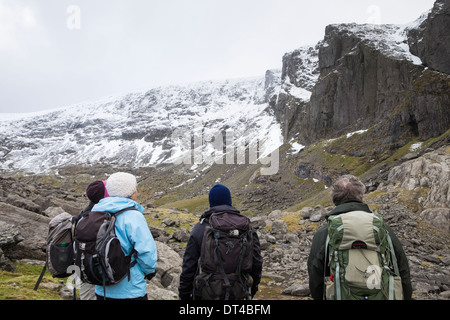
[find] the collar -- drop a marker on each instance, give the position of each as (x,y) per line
(221,208)
(347,206)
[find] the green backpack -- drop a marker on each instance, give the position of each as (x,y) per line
(361,259)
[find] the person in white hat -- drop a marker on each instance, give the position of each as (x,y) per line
(133,233)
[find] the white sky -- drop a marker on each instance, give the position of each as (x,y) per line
(53,54)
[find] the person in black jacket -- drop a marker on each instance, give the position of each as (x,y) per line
(347,195)
(219,201)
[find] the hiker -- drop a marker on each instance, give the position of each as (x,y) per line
(350,211)
(195,281)
(133,233)
(95,192)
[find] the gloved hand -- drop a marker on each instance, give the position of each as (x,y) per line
(150,276)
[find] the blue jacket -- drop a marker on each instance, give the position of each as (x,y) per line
(133,232)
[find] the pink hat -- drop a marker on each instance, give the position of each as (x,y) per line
(106,191)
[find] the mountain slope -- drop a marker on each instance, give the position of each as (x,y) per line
(136,129)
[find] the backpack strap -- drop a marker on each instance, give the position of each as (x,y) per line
(219,265)
(123,210)
(325,265)
(395,265)
(133,251)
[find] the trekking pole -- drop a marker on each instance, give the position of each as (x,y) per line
(40,277)
(74,289)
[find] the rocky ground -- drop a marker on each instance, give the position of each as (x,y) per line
(414,200)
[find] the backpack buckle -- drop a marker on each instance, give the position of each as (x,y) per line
(234,233)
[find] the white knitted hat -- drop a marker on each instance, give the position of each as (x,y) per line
(121,184)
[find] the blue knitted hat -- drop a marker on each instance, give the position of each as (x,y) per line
(219,195)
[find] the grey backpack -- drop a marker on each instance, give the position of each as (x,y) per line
(59,249)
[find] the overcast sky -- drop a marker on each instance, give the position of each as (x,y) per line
(55,53)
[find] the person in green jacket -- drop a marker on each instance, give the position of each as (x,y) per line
(347,195)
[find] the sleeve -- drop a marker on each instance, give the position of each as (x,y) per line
(143,243)
(403,265)
(190,264)
(257,263)
(316,264)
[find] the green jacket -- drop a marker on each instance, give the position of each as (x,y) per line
(316,256)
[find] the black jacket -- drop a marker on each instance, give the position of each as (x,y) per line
(316,257)
(192,254)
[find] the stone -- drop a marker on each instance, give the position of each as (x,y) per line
(306,212)
(181,235)
(168,222)
(52,212)
(275,214)
(301,290)
(169,267)
(437,217)
(279,227)
(33,228)
(9,235)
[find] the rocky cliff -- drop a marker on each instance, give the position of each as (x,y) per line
(391,77)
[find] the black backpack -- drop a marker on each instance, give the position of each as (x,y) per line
(98,252)
(226,258)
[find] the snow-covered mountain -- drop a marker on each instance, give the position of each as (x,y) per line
(142,129)
(357,76)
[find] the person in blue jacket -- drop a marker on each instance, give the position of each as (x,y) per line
(133,232)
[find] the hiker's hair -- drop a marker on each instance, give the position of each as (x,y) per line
(347,187)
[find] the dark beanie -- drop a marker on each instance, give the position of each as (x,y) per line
(219,195)
(96,191)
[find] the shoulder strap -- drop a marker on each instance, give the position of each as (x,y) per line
(325,265)
(117,212)
(123,210)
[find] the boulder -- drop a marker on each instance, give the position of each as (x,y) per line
(438,217)
(52,212)
(168,267)
(279,227)
(9,237)
(33,228)
(301,290)
(181,235)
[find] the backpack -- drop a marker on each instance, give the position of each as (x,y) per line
(59,248)
(226,258)
(361,257)
(98,252)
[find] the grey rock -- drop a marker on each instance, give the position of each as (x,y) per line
(279,227)
(430,40)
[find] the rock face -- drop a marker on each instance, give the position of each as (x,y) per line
(32,227)
(370,76)
(164,286)
(9,237)
(429,175)
(430,40)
